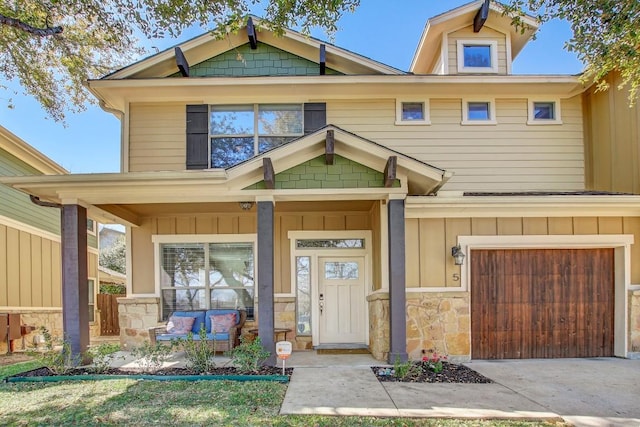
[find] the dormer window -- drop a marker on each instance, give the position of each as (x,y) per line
(412,112)
(477,56)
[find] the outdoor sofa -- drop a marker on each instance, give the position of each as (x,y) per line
(222,325)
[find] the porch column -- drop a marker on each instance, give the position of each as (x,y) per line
(75,291)
(397,296)
(266,279)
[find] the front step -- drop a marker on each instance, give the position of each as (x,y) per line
(346,348)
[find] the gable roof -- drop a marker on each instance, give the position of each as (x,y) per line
(429,46)
(419,177)
(206,46)
(17,147)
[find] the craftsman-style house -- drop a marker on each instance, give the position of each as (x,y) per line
(454,208)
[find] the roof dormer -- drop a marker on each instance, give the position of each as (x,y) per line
(475,38)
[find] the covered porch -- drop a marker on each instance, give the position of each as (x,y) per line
(298,210)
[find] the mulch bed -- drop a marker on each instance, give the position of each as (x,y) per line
(265,370)
(451,373)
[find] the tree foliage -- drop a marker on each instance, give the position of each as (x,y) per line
(114,256)
(51,47)
(606,35)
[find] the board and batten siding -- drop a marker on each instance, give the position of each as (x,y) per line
(30,270)
(236,223)
(612,137)
(157,137)
(486,34)
(429,241)
(16,205)
(509,156)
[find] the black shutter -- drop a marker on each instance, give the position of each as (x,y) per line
(197,136)
(315,116)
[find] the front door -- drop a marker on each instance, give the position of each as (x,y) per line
(341,300)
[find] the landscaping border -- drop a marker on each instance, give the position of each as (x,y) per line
(99,377)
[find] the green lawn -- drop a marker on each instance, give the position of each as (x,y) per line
(179,403)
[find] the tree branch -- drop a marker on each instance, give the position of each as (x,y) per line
(23,26)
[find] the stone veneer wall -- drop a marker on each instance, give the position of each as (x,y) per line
(50,319)
(436,322)
(439,322)
(379,325)
(136,316)
(634,323)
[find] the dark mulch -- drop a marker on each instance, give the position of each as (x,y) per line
(451,373)
(265,370)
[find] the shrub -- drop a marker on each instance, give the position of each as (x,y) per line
(59,362)
(102,356)
(200,354)
(402,370)
(150,358)
(249,355)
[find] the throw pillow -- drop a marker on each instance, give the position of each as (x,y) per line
(180,325)
(221,323)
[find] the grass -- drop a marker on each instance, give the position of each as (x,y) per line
(176,403)
(8,370)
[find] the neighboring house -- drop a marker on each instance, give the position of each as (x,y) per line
(109,236)
(30,275)
(326,193)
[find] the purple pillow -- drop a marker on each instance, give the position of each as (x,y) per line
(221,323)
(180,325)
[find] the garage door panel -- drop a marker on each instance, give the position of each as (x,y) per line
(541,303)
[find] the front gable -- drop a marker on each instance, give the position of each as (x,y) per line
(205,47)
(316,173)
(265,60)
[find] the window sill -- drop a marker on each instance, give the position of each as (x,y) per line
(478,122)
(412,123)
(543,122)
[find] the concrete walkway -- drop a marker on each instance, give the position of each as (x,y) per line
(583,392)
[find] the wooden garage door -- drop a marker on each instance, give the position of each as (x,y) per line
(542,303)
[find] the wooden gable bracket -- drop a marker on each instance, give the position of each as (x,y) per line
(269,174)
(481,17)
(253,36)
(182,63)
(329,147)
(323,59)
(390,171)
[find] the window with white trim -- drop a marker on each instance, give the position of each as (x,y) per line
(478,112)
(477,56)
(204,275)
(412,112)
(239,132)
(544,111)
(91,226)
(91,285)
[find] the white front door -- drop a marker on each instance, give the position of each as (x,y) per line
(341,300)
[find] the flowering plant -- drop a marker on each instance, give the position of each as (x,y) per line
(434,361)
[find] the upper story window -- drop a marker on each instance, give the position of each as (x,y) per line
(239,132)
(544,112)
(412,112)
(477,56)
(91,226)
(479,112)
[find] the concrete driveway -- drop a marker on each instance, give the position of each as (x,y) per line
(584,392)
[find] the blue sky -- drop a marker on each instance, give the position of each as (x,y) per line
(389,34)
